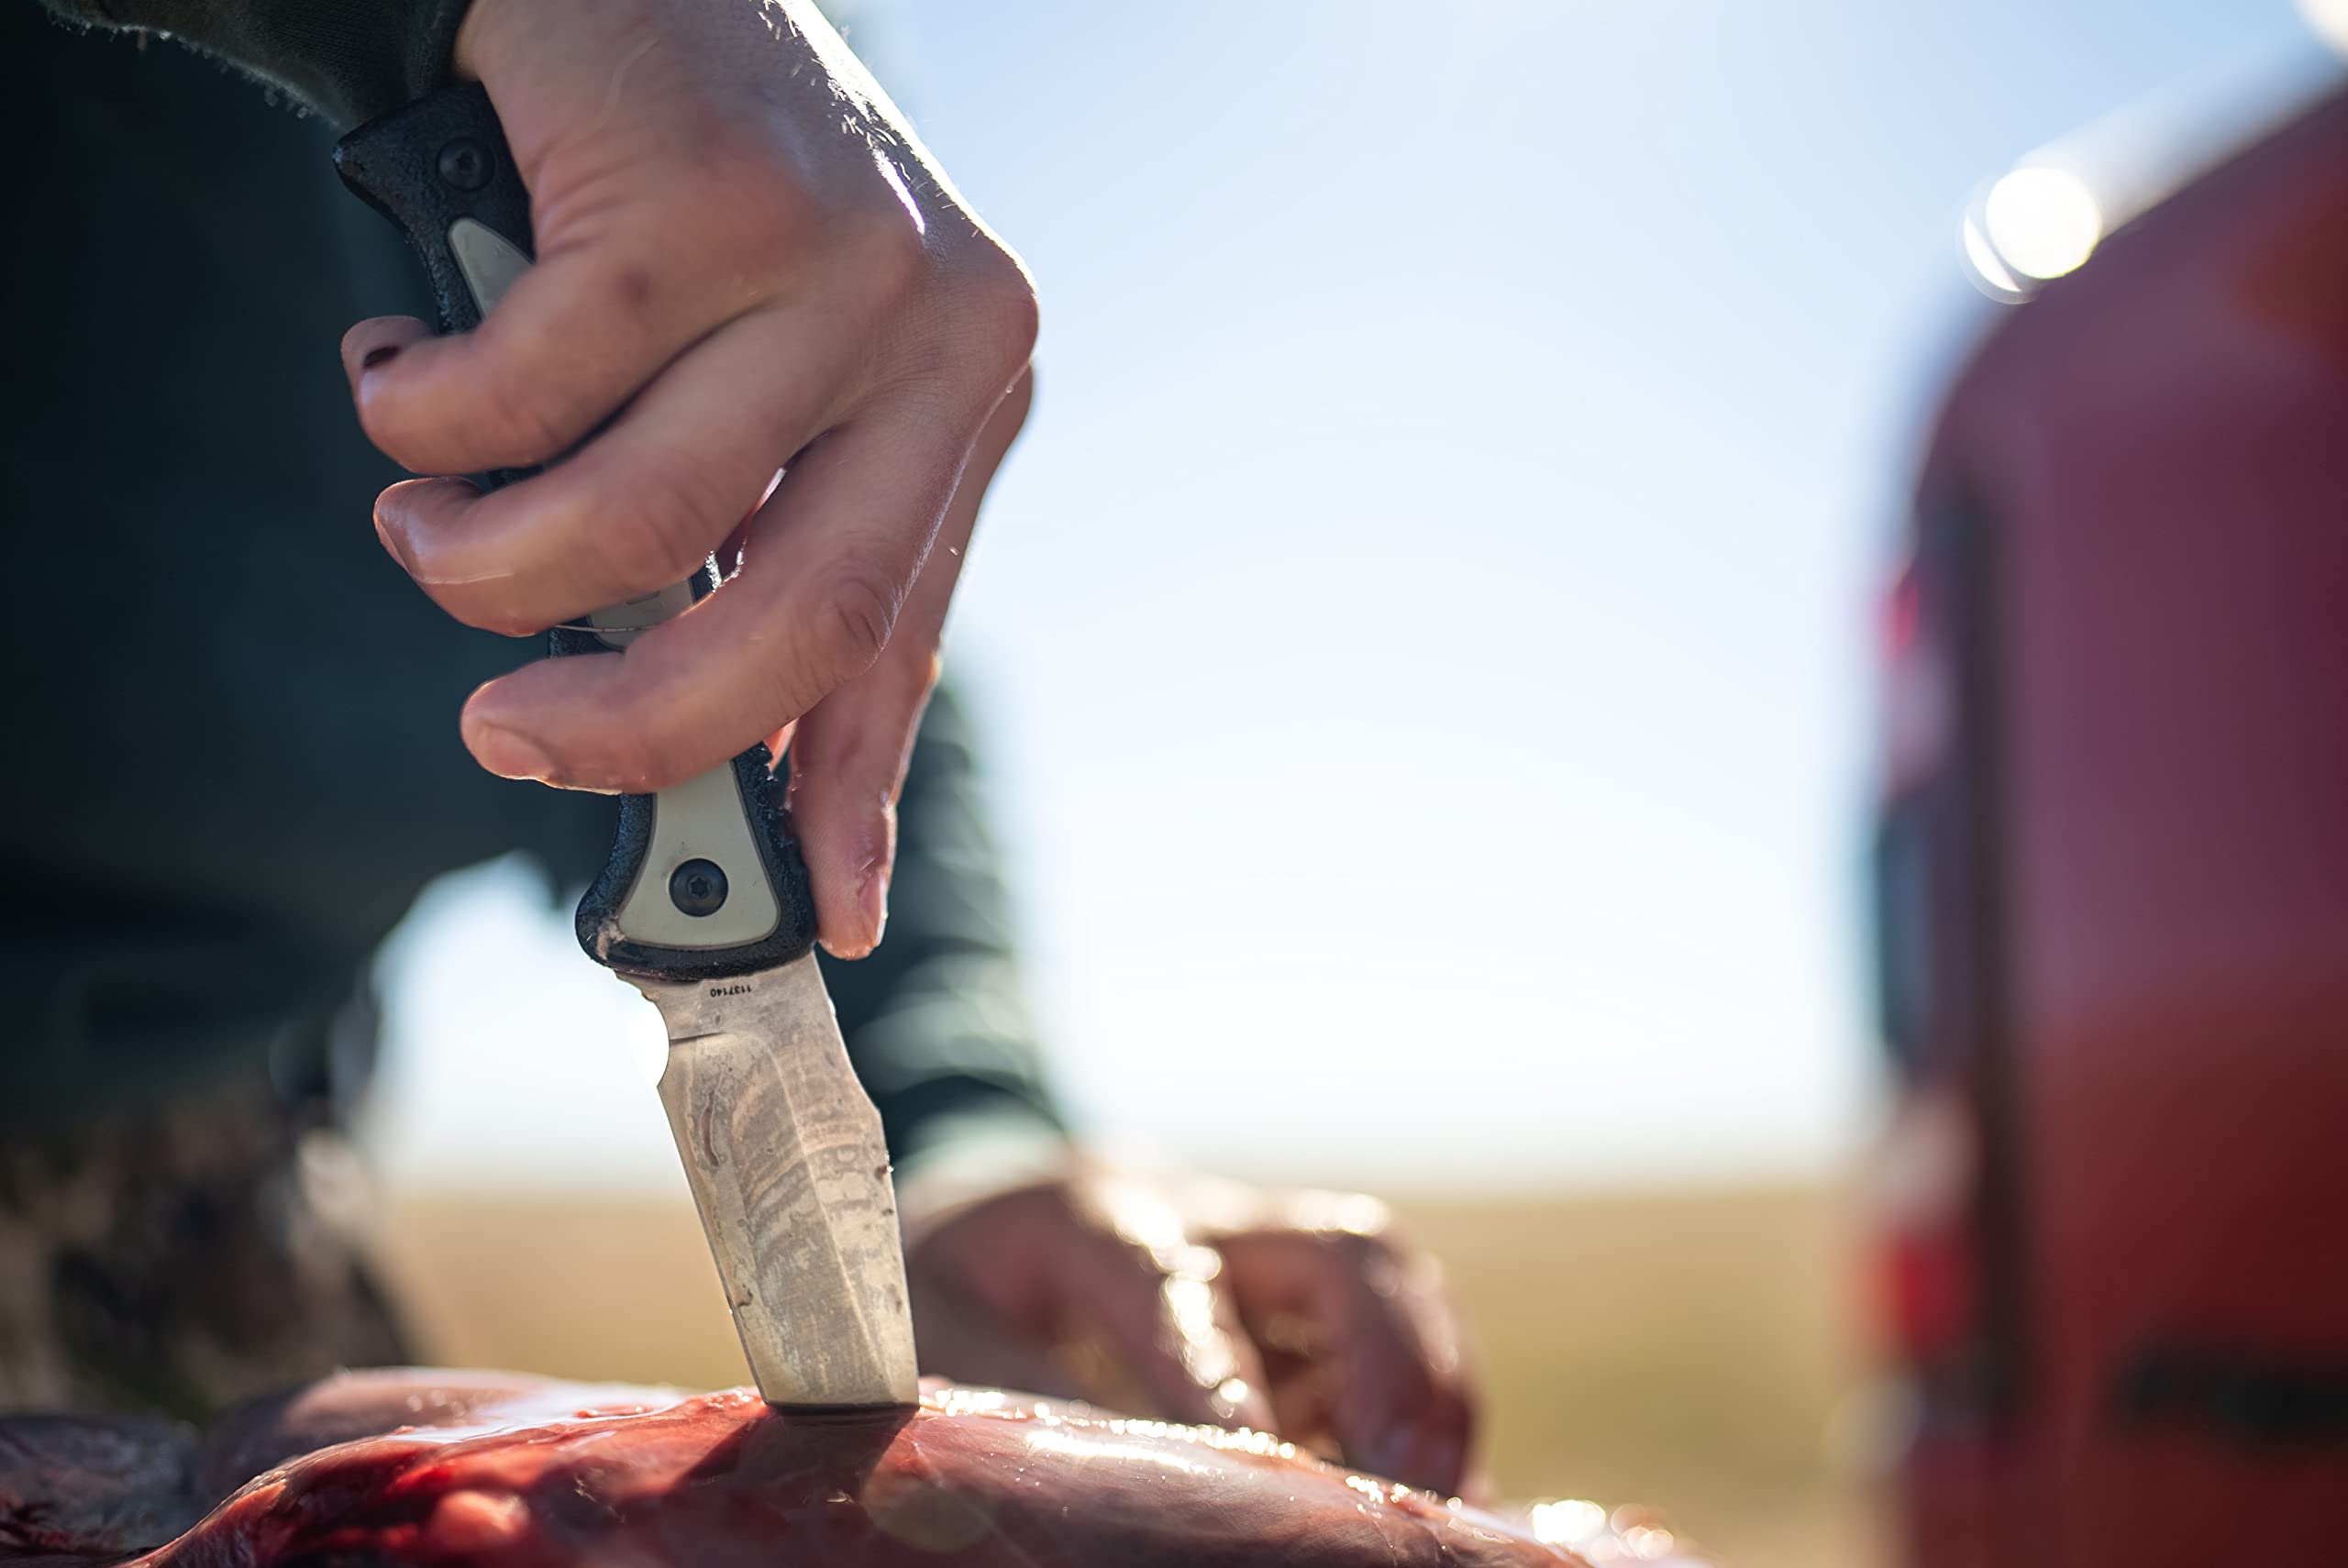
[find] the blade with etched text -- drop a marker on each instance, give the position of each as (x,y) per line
(783,1151)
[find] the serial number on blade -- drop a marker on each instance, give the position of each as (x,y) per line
(731,990)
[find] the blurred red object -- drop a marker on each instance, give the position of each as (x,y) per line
(2112,865)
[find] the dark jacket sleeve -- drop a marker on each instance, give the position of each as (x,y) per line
(935,1020)
(349,59)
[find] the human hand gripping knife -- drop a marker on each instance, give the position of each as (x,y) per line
(704,904)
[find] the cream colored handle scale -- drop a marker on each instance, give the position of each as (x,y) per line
(704,822)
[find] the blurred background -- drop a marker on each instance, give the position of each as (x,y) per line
(1423,645)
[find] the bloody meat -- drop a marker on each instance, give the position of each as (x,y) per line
(435,1468)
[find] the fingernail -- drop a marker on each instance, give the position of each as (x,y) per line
(871,913)
(507,755)
(395,542)
(876,902)
(873,881)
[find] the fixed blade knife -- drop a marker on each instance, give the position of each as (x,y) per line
(704,903)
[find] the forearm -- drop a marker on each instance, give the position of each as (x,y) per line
(349,59)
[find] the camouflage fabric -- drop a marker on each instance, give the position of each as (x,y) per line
(181,1257)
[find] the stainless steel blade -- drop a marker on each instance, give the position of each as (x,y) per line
(783,1152)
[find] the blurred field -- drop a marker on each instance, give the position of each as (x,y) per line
(1692,1350)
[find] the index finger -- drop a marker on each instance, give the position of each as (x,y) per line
(830,561)
(573,338)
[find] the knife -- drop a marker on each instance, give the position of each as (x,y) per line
(704,904)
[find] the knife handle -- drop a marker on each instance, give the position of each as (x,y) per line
(705,879)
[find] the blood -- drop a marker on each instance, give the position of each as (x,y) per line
(418,1469)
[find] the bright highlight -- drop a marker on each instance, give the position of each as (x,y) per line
(2043,221)
(2329,19)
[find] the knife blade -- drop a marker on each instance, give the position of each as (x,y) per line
(788,1169)
(704,903)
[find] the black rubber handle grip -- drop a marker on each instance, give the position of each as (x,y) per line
(440,160)
(436,169)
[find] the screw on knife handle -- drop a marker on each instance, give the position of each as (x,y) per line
(705,879)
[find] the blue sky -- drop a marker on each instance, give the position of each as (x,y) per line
(1422,636)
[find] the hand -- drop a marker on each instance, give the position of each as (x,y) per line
(1303,1313)
(747,263)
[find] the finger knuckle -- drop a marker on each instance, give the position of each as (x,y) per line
(518,421)
(1000,309)
(655,528)
(831,635)
(882,247)
(750,206)
(857,607)
(715,151)
(980,320)
(770,234)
